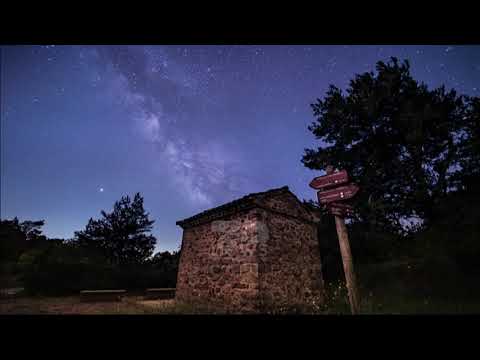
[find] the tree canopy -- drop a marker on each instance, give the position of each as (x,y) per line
(122,236)
(406,145)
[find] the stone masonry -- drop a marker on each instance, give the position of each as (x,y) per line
(256,253)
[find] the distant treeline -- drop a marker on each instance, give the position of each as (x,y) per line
(113,252)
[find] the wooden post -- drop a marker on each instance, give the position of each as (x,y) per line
(347,260)
(347,263)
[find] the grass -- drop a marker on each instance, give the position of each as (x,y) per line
(337,304)
(407,288)
(408,305)
(393,288)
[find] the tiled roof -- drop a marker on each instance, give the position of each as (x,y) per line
(247,202)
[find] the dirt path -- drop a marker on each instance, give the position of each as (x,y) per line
(73,306)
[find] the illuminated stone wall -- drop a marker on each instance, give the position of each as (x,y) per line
(253,260)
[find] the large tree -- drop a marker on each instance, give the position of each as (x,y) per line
(398,139)
(123,236)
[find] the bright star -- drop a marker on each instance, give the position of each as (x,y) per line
(101,189)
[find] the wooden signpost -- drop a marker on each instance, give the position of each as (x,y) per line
(331,198)
(336,194)
(332,180)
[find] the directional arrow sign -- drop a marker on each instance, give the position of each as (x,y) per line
(327,181)
(337,194)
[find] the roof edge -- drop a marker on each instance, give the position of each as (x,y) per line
(246,202)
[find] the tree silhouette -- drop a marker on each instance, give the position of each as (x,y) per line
(121,236)
(398,140)
(12,240)
(16,236)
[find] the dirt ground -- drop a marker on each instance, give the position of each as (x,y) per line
(72,306)
(137,305)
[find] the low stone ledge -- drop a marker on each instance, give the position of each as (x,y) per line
(160,293)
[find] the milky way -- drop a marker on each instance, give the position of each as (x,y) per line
(190,127)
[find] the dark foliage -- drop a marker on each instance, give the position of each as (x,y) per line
(415,153)
(65,268)
(164,268)
(397,139)
(16,237)
(12,240)
(111,253)
(121,236)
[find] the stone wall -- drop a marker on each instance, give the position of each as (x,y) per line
(253,260)
(219,264)
(290,267)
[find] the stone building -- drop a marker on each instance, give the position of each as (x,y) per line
(255,253)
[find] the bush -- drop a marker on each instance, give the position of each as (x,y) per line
(64,268)
(141,277)
(61,269)
(8,274)
(63,279)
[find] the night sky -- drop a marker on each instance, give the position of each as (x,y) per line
(189,127)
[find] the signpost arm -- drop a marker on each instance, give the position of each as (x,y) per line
(347,263)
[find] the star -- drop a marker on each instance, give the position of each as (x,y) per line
(101,189)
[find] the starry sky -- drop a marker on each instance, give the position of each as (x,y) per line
(189,127)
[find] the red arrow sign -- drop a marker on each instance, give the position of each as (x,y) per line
(326,181)
(340,193)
